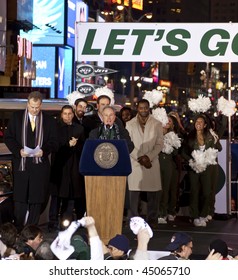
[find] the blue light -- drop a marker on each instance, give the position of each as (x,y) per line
(45,68)
(48,19)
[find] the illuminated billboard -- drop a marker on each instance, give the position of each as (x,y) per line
(77,11)
(48,23)
(65,72)
(45,68)
(136,4)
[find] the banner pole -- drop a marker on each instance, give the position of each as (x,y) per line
(229,146)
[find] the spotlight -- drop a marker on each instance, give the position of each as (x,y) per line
(66,221)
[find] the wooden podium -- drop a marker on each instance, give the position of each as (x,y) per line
(105,187)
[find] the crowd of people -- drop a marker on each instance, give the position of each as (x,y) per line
(46,155)
(30,244)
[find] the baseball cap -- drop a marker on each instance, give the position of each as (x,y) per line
(178,239)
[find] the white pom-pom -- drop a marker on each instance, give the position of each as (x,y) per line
(226,107)
(174,139)
(154,97)
(198,164)
(211,156)
(171,142)
(203,159)
(105,91)
(73,96)
(200,104)
(160,115)
(167,148)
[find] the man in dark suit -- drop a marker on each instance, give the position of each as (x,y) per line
(65,176)
(110,130)
(93,121)
(31,136)
(80,108)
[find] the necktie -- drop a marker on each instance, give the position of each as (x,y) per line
(33,124)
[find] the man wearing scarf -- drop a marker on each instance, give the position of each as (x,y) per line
(31,137)
(109,129)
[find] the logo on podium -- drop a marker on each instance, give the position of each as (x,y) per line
(106,155)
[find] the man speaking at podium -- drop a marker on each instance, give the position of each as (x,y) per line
(109,130)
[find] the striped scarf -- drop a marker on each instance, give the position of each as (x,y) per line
(109,134)
(38,137)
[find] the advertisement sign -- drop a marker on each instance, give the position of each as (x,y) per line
(136,4)
(84,70)
(163,42)
(48,21)
(65,71)
(45,68)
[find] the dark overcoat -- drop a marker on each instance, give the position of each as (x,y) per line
(31,185)
(65,168)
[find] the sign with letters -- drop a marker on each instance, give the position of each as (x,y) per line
(163,42)
(84,70)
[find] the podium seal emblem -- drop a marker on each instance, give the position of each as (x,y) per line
(106,155)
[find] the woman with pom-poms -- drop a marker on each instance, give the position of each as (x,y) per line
(200,149)
(169,172)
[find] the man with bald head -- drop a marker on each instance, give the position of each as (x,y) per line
(31,136)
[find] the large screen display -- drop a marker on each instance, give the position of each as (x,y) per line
(65,72)
(45,68)
(48,20)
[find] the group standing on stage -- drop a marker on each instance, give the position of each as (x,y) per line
(46,156)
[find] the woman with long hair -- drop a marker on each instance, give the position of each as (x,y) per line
(169,172)
(200,150)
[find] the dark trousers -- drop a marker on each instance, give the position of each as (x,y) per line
(200,193)
(68,207)
(152,204)
(20,212)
